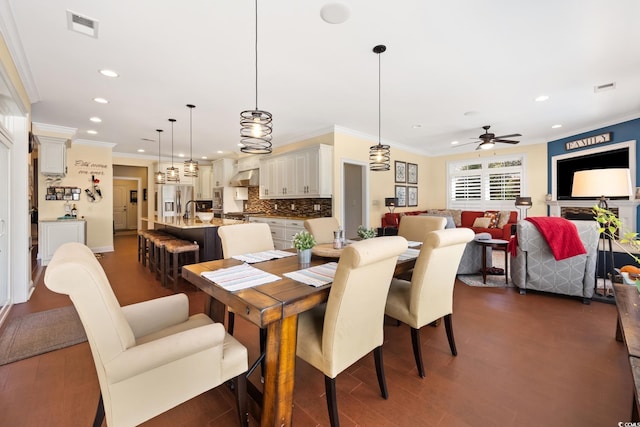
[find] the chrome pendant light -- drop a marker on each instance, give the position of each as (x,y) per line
(191,166)
(173,173)
(379,155)
(255,131)
(160,176)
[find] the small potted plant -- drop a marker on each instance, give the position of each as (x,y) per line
(366,233)
(303,241)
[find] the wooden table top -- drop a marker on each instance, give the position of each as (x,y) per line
(628,304)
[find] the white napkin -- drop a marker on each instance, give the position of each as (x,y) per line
(315,276)
(239,277)
(262,256)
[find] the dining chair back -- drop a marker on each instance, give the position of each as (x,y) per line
(333,336)
(415,227)
(429,295)
(150,356)
(322,228)
(246,238)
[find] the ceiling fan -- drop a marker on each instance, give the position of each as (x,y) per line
(488,139)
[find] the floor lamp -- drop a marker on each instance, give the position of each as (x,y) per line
(603,183)
(523,204)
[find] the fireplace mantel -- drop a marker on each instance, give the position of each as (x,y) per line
(627,209)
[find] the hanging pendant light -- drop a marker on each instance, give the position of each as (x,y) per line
(255,131)
(191,166)
(173,174)
(379,155)
(160,176)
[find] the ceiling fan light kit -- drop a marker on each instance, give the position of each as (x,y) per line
(380,154)
(191,166)
(488,140)
(256,125)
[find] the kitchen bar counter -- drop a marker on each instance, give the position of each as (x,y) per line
(179,222)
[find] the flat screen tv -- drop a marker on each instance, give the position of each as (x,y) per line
(604,160)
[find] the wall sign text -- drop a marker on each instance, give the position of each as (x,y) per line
(592,140)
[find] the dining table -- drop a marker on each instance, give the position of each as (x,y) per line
(274,306)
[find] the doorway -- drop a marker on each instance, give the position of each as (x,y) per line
(126,208)
(355,196)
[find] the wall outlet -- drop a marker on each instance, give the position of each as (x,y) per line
(293,206)
(316,207)
(275,206)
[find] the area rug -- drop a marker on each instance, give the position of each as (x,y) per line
(493,280)
(36,333)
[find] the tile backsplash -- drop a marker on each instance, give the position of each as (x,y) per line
(301,207)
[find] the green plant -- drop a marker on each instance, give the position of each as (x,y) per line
(610,224)
(303,240)
(366,233)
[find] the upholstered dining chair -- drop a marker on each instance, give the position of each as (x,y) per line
(429,295)
(415,227)
(149,356)
(333,336)
(322,228)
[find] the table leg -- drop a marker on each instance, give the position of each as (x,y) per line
(506,267)
(215,309)
(484,264)
(277,406)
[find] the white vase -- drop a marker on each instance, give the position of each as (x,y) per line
(304,256)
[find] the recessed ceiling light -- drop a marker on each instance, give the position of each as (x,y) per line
(220,152)
(542,98)
(416,126)
(470,113)
(204,157)
(180,155)
(335,13)
(96,119)
(92,132)
(140,150)
(101,100)
(240,144)
(454,142)
(556,126)
(109,73)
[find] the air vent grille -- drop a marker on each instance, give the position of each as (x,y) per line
(82,24)
(606,86)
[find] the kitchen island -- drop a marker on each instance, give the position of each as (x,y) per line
(194,230)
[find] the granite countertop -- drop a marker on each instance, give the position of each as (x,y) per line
(179,222)
(299,218)
(61,219)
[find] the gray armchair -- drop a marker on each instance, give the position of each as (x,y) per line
(534,266)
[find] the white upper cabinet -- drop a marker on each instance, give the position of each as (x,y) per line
(222,172)
(204,183)
(305,173)
(52,156)
(248,163)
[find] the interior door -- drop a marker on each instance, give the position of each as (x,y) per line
(120,207)
(4,225)
(353,199)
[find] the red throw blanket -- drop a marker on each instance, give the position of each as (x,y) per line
(561,235)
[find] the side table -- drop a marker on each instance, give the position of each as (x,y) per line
(500,245)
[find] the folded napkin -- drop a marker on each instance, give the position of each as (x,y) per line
(409,254)
(262,256)
(413,244)
(315,276)
(239,277)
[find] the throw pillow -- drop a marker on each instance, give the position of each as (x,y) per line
(493,218)
(481,222)
(503,218)
(450,222)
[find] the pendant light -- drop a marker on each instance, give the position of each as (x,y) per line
(191,166)
(379,155)
(255,131)
(173,174)
(160,176)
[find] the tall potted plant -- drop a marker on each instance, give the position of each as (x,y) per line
(303,241)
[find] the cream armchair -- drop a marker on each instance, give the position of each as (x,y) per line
(429,295)
(534,266)
(333,336)
(149,356)
(322,228)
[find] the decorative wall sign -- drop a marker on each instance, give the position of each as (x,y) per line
(401,195)
(63,193)
(401,172)
(412,196)
(412,173)
(592,140)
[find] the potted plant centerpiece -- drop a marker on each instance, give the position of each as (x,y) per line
(303,241)
(366,233)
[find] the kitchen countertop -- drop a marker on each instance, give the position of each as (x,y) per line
(68,219)
(179,222)
(298,218)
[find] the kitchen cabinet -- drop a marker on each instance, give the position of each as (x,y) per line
(54,233)
(204,183)
(248,163)
(282,229)
(222,172)
(305,173)
(52,156)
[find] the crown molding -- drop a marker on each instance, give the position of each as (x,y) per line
(94,143)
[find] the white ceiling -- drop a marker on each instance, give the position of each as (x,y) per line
(488,59)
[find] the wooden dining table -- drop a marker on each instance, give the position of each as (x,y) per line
(274,306)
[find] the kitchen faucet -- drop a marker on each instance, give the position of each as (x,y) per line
(187,211)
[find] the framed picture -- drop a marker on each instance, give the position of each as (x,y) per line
(401,171)
(401,196)
(412,173)
(133,196)
(412,196)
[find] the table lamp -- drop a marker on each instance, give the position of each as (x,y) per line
(602,183)
(391,203)
(523,203)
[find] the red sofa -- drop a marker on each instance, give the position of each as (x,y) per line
(461,218)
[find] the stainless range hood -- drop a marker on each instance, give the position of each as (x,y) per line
(249,178)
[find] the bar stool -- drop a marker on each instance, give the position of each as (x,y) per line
(144,244)
(172,264)
(155,253)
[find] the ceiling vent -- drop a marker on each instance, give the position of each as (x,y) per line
(82,24)
(606,86)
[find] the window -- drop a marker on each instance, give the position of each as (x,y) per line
(485,184)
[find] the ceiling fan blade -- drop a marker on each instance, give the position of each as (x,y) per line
(507,136)
(466,143)
(506,141)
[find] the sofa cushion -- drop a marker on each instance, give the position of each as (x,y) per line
(482,222)
(450,222)
(456,214)
(493,218)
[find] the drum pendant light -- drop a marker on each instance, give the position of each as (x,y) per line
(173,174)
(160,177)
(379,155)
(255,130)
(191,166)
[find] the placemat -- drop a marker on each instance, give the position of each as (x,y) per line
(409,254)
(319,275)
(239,277)
(255,257)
